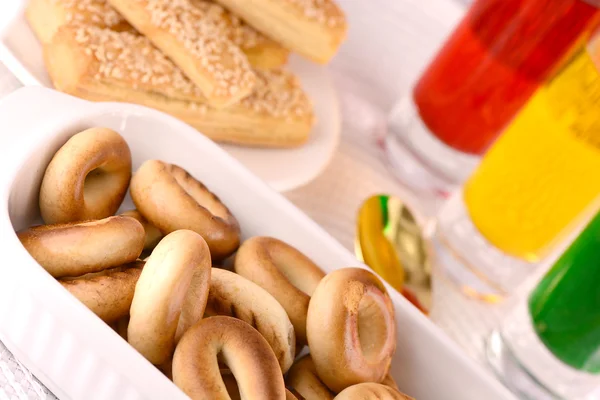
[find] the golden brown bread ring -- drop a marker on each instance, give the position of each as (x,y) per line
(167,368)
(242,348)
(87,178)
(168,297)
(108,295)
(172,199)
(305,381)
(75,249)
(120,325)
(369,391)
(303,378)
(351,329)
(153,234)
(234,391)
(235,296)
(284,272)
(389,381)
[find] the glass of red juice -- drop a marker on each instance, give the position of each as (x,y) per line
(486,71)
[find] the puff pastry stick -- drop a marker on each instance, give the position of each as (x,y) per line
(313,28)
(188,37)
(46,16)
(262,52)
(103,65)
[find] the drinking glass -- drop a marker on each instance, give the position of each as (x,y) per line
(549,347)
(537,183)
(494,61)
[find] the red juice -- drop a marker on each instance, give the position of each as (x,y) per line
(493,62)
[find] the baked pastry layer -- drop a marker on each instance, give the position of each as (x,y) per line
(187,36)
(313,28)
(100,64)
(46,16)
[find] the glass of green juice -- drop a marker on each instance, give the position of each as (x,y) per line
(549,346)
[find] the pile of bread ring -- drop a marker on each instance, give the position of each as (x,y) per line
(219,65)
(220,317)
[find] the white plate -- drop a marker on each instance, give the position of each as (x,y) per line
(78,356)
(283,170)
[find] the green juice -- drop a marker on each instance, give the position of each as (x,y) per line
(565,305)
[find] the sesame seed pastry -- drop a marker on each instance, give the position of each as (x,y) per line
(103,65)
(262,52)
(192,41)
(46,16)
(312,28)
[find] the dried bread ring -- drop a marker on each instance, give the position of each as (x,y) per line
(168,297)
(108,295)
(303,378)
(351,329)
(234,391)
(284,272)
(120,325)
(75,249)
(370,390)
(389,381)
(172,199)
(153,234)
(234,296)
(291,395)
(242,348)
(87,179)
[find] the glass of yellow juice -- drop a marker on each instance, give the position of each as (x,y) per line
(537,184)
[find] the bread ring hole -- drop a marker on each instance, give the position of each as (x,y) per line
(98,182)
(202,196)
(231,384)
(228,379)
(373,323)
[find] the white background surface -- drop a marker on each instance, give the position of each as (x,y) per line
(397,38)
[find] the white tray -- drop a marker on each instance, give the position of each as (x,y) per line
(21,52)
(79,357)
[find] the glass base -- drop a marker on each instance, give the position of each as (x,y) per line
(418,159)
(509,370)
(466,258)
(529,369)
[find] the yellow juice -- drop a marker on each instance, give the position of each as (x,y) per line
(544,171)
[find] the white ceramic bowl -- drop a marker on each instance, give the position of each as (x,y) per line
(79,357)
